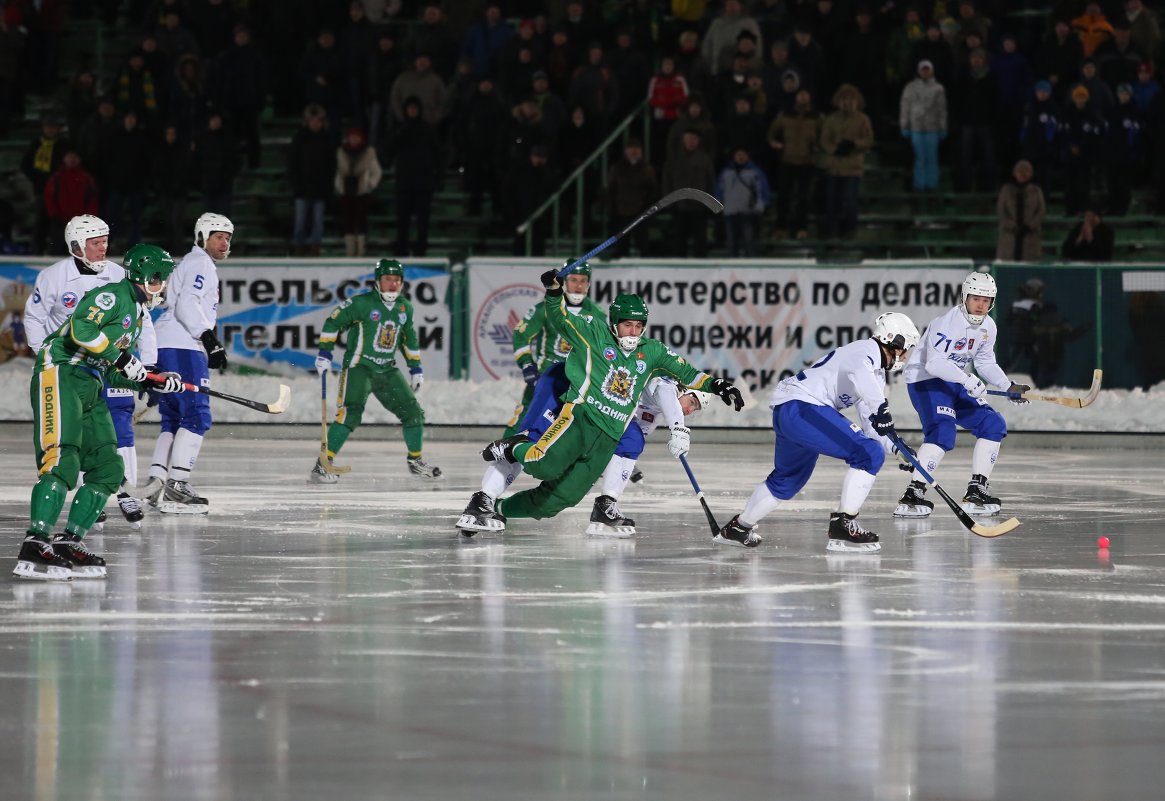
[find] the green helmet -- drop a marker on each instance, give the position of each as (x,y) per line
(583,268)
(627,307)
(389,267)
(145,263)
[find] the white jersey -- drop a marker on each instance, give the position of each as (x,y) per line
(659,404)
(949,345)
(191,302)
(851,374)
(59,288)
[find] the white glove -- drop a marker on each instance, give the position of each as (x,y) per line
(171,382)
(680,442)
(415,381)
(323,362)
(975,388)
(131,367)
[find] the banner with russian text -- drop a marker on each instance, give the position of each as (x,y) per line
(751,319)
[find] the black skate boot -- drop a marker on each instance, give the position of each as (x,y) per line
(419,467)
(847,536)
(738,535)
(182,499)
(913,502)
(99,524)
(977,501)
(480,515)
(502,450)
(608,521)
(131,510)
(39,562)
(85,563)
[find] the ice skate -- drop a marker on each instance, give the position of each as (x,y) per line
(608,521)
(99,523)
(180,498)
(977,501)
(480,515)
(738,535)
(419,467)
(913,502)
(502,450)
(39,562)
(85,563)
(847,536)
(131,510)
(319,475)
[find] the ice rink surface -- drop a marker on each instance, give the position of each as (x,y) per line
(345,643)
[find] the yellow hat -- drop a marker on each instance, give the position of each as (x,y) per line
(1080,91)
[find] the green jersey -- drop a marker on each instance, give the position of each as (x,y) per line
(379,330)
(108,320)
(605,382)
(538,340)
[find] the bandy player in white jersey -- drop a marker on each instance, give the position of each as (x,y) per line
(187,345)
(54,299)
(808,423)
(946,395)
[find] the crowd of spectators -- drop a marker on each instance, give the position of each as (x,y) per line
(774,105)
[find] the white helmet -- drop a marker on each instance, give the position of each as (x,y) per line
(896,330)
(207,224)
(80,230)
(981,284)
(703,399)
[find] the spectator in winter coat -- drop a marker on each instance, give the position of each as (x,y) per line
(358,174)
(1013,75)
(70,191)
(416,149)
(632,186)
(846,137)
(688,166)
(1040,134)
(128,182)
(1021,210)
(977,113)
(1059,58)
(311,172)
(1091,240)
(935,49)
(743,130)
(1100,96)
(486,40)
(807,57)
(1093,28)
(425,85)
(861,58)
(216,164)
(1122,149)
(795,134)
(631,71)
(41,159)
(527,185)
(79,100)
(900,44)
(433,35)
(1080,128)
(922,118)
(593,87)
(321,71)
(136,88)
(239,88)
(1117,60)
(1146,32)
(695,117)
(482,142)
(1146,89)
(744,191)
(667,94)
(720,40)
(170,176)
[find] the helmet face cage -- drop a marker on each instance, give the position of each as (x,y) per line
(388,267)
(703,399)
(146,264)
(80,230)
(983,285)
(626,307)
(207,224)
(575,298)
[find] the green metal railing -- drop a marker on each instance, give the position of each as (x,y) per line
(576,181)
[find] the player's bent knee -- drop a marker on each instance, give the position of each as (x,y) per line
(941,436)
(64,463)
(107,471)
(868,456)
(993,427)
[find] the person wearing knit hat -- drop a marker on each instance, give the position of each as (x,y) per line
(1044,86)
(1122,149)
(1081,128)
(1080,91)
(922,116)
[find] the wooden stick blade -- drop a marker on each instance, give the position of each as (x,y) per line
(1073,403)
(995,531)
(280,405)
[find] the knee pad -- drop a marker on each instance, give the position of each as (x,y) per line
(992,426)
(105,469)
(868,456)
(413,415)
(941,434)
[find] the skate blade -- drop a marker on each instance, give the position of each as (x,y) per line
(89,572)
(614,532)
(842,546)
(135,525)
(34,572)
(753,541)
(468,523)
(987,510)
(175,508)
(909,510)
(326,478)
(98,527)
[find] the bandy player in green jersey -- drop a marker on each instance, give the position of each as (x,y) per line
(609,365)
(73,431)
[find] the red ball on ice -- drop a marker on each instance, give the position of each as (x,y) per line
(1102,542)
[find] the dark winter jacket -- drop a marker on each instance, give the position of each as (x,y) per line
(311,164)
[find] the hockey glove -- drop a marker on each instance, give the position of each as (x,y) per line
(551,282)
(323,361)
(216,355)
(166,383)
(680,442)
(728,393)
(975,388)
(416,378)
(130,367)
(1018,389)
(883,422)
(904,465)
(529,374)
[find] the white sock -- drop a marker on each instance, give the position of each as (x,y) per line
(930,457)
(129,456)
(496,478)
(854,488)
(184,454)
(983,457)
(760,503)
(616,476)
(160,465)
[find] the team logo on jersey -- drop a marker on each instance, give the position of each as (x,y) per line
(123,342)
(402,317)
(106,300)
(641,366)
(126,321)
(561,347)
(962,343)
(619,385)
(374,316)
(68,300)
(386,337)
(648,417)
(609,354)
